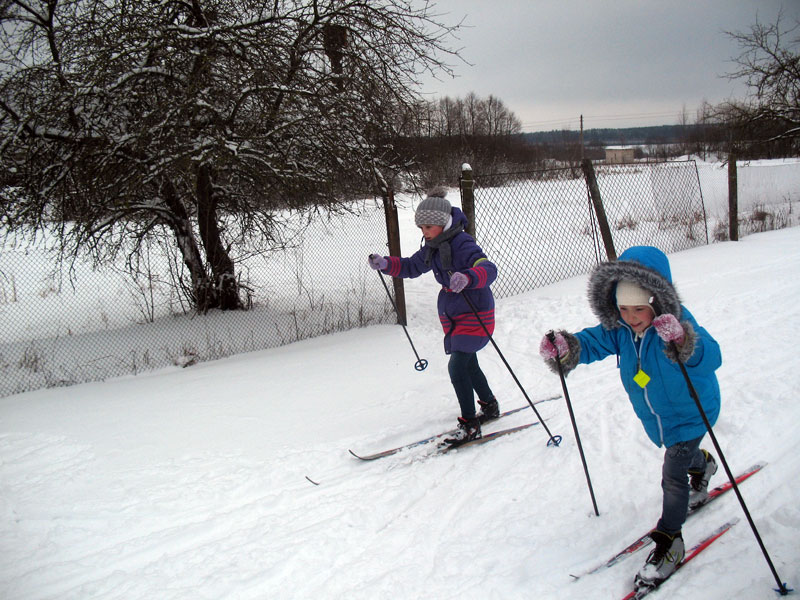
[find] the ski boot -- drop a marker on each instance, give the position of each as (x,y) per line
(489,411)
(468,430)
(698,482)
(662,561)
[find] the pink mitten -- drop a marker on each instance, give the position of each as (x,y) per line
(377,262)
(458,281)
(548,351)
(669,328)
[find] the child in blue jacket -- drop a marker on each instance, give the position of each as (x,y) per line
(461,267)
(641,317)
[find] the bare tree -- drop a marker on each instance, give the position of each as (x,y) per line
(769,64)
(440,135)
(473,114)
(202,118)
(501,121)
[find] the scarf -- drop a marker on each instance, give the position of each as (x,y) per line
(442,243)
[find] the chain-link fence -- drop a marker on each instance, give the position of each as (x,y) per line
(767,190)
(65,324)
(541,227)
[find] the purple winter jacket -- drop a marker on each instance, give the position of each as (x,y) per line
(462,330)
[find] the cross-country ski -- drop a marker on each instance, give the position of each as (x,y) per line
(439,436)
(641,591)
(645,539)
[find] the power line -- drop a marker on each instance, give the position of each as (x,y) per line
(650,115)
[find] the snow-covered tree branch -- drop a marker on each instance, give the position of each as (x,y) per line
(127,118)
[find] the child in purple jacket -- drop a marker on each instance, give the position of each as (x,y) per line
(461,267)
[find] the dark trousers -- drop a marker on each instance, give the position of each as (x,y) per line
(678,460)
(467,378)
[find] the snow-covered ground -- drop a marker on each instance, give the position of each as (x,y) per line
(191,483)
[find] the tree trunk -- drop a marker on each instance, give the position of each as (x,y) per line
(222,270)
(202,290)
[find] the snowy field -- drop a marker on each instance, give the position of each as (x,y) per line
(191,483)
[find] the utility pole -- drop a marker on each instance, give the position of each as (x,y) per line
(581,138)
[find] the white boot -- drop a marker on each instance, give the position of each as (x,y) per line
(698,482)
(663,559)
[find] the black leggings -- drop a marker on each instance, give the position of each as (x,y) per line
(466,376)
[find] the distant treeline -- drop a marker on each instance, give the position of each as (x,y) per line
(437,137)
(660,134)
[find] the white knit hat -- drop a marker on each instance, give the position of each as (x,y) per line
(630,294)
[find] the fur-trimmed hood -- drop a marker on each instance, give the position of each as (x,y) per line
(645,266)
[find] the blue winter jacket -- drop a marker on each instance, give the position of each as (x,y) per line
(664,405)
(463,331)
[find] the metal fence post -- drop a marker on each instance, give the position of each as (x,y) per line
(393,236)
(467,184)
(597,202)
(733,199)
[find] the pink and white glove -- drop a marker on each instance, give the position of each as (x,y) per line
(669,328)
(378,262)
(548,351)
(458,281)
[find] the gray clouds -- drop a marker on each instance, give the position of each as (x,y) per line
(619,63)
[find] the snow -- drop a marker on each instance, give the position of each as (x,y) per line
(191,483)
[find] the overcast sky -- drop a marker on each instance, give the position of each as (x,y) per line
(620,63)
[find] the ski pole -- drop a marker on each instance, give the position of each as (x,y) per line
(554,440)
(551,336)
(421,363)
(782,588)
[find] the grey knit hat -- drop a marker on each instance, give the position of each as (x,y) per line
(434,210)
